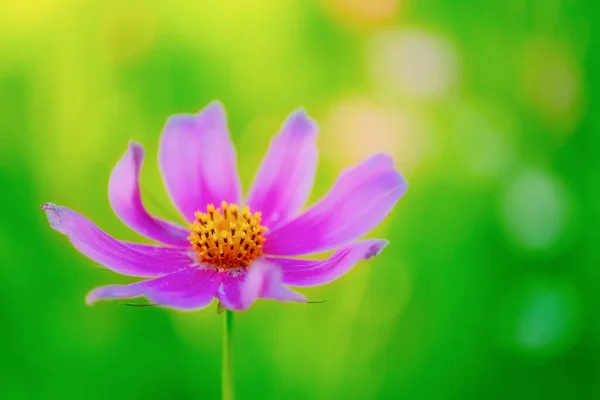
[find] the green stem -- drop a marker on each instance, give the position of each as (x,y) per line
(227,371)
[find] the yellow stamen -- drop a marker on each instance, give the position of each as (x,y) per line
(226,237)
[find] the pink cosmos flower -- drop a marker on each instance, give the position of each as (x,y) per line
(237,254)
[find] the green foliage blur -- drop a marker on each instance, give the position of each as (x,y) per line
(489,288)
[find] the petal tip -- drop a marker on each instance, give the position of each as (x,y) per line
(92,297)
(215,104)
(214,109)
(387,161)
(134,153)
(402,182)
(300,112)
(300,122)
(402,189)
(135,146)
(53,215)
(383,158)
(375,248)
(299,297)
(177,125)
(211,117)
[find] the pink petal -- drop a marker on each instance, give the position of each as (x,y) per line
(229,293)
(240,289)
(198,161)
(122,257)
(312,273)
(126,201)
(287,173)
(359,200)
(265,280)
(191,288)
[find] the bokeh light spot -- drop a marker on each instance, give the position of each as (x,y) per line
(552,84)
(535,209)
(128,32)
(362,11)
(540,318)
(413,63)
(364,128)
(482,137)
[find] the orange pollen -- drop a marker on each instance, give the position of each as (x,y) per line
(226,237)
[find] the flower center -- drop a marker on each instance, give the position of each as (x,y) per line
(227,237)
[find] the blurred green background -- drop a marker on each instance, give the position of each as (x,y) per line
(489,288)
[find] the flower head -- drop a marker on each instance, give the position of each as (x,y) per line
(235,250)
